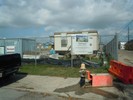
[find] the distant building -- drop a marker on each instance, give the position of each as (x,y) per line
(122,45)
(17,45)
(63,40)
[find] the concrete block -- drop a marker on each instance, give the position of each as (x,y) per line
(101,79)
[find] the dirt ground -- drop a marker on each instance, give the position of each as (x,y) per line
(125,57)
(68,88)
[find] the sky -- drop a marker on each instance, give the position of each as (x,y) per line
(41,18)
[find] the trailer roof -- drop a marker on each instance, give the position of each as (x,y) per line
(76,32)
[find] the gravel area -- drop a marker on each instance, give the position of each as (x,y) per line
(125,57)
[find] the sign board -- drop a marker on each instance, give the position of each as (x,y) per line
(2,51)
(82,44)
(10,49)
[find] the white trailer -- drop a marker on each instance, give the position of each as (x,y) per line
(63,40)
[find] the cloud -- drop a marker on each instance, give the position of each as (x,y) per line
(62,15)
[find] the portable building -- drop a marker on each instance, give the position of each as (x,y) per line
(63,40)
(17,45)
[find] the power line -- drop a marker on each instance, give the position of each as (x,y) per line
(126,26)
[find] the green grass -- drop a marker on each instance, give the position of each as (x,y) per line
(60,71)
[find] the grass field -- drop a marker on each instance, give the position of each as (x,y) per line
(60,71)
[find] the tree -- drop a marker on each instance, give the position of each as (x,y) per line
(129,45)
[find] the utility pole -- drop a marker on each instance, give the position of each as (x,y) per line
(128,34)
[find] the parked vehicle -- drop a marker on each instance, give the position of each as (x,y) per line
(9,64)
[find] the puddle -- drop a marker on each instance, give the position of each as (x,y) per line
(81,91)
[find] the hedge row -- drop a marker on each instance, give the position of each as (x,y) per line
(129,45)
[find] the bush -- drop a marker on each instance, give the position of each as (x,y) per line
(129,45)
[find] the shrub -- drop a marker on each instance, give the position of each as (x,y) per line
(129,45)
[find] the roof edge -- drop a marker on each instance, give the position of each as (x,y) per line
(75,32)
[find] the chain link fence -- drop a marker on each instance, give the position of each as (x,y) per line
(107,43)
(111,48)
(37,49)
(41,51)
(62,47)
(126,33)
(119,40)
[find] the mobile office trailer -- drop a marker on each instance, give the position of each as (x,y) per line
(63,40)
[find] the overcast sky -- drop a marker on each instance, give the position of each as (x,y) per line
(31,18)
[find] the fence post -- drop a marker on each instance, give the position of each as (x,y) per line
(35,52)
(116,38)
(71,54)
